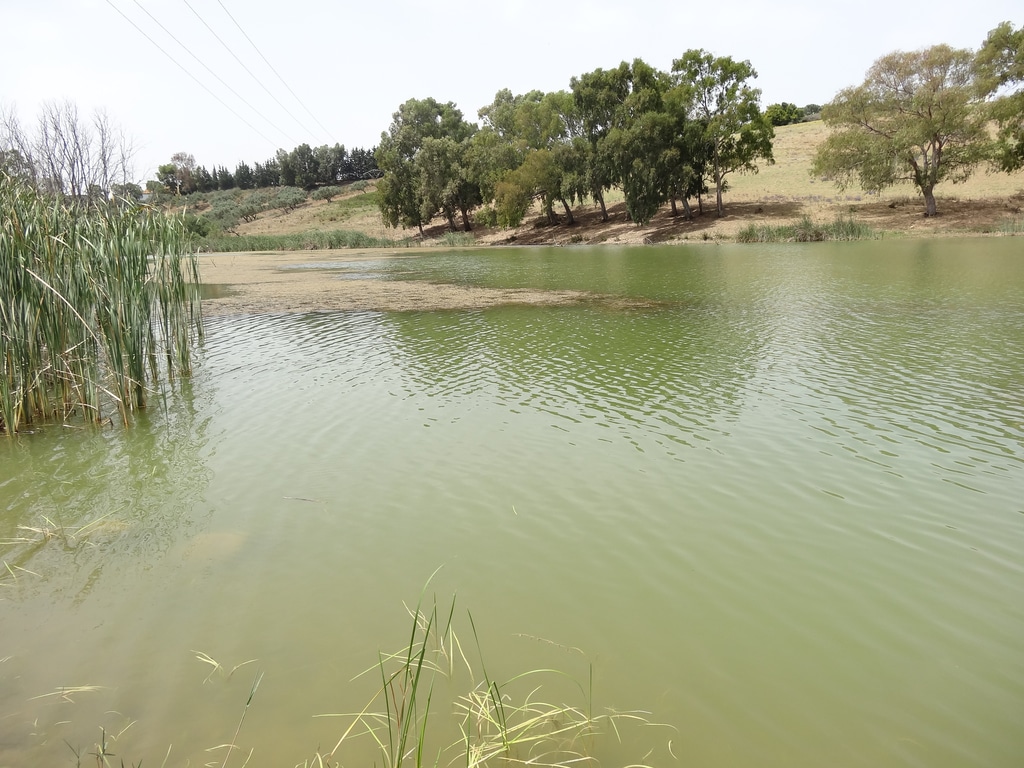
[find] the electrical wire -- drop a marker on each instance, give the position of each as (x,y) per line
(249,71)
(294,95)
(197,80)
(219,79)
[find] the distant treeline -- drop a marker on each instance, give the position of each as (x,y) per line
(304,167)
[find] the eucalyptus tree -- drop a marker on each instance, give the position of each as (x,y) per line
(527,152)
(401,191)
(734,129)
(915,118)
(444,182)
(1001,67)
(640,144)
(599,96)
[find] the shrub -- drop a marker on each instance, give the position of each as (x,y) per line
(327,193)
(289,198)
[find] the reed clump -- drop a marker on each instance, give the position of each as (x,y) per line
(499,723)
(98,303)
(314,240)
(807,231)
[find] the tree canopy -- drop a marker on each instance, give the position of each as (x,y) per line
(915,118)
(1001,71)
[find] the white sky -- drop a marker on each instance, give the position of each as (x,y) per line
(352,64)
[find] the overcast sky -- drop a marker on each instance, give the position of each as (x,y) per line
(342,68)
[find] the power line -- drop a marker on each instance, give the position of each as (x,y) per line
(198,82)
(301,104)
(219,79)
(243,66)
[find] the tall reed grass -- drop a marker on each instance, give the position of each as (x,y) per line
(98,303)
(807,231)
(313,240)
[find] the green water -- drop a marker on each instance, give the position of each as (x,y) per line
(773,494)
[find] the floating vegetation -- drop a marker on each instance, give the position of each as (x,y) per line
(807,231)
(98,302)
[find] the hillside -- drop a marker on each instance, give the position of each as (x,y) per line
(780,193)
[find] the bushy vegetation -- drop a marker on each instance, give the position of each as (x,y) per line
(807,231)
(784,113)
(97,302)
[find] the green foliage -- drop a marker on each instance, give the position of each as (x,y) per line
(129,191)
(486,216)
(784,114)
(326,193)
(303,241)
(734,131)
(288,198)
(806,231)
(1001,66)
(915,118)
(501,722)
(97,303)
(412,191)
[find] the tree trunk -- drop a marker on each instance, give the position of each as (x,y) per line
(465,219)
(718,186)
(675,211)
(687,209)
(929,201)
(604,211)
(550,213)
(570,221)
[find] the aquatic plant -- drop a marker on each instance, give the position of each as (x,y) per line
(495,724)
(312,240)
(98,302)
(807,231)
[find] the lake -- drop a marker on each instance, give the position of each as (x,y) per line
(771,495)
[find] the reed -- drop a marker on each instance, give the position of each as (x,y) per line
(807,231)
(496,723)
(314,240)
(98,304)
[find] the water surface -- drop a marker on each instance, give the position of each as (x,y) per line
(776,499)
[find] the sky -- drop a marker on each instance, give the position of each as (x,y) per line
(234,80)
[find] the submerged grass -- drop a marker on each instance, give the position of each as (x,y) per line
(314,240)
(807,231)
(97,302)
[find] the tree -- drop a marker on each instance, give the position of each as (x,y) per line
(244,176)
(400,192)
(783,114)
(67,154)
(915,118)
(305,166)
(1001,64)
(599,96)
(734,128)
(640,146)
(225,179)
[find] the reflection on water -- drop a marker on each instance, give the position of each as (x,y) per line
(775,498)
